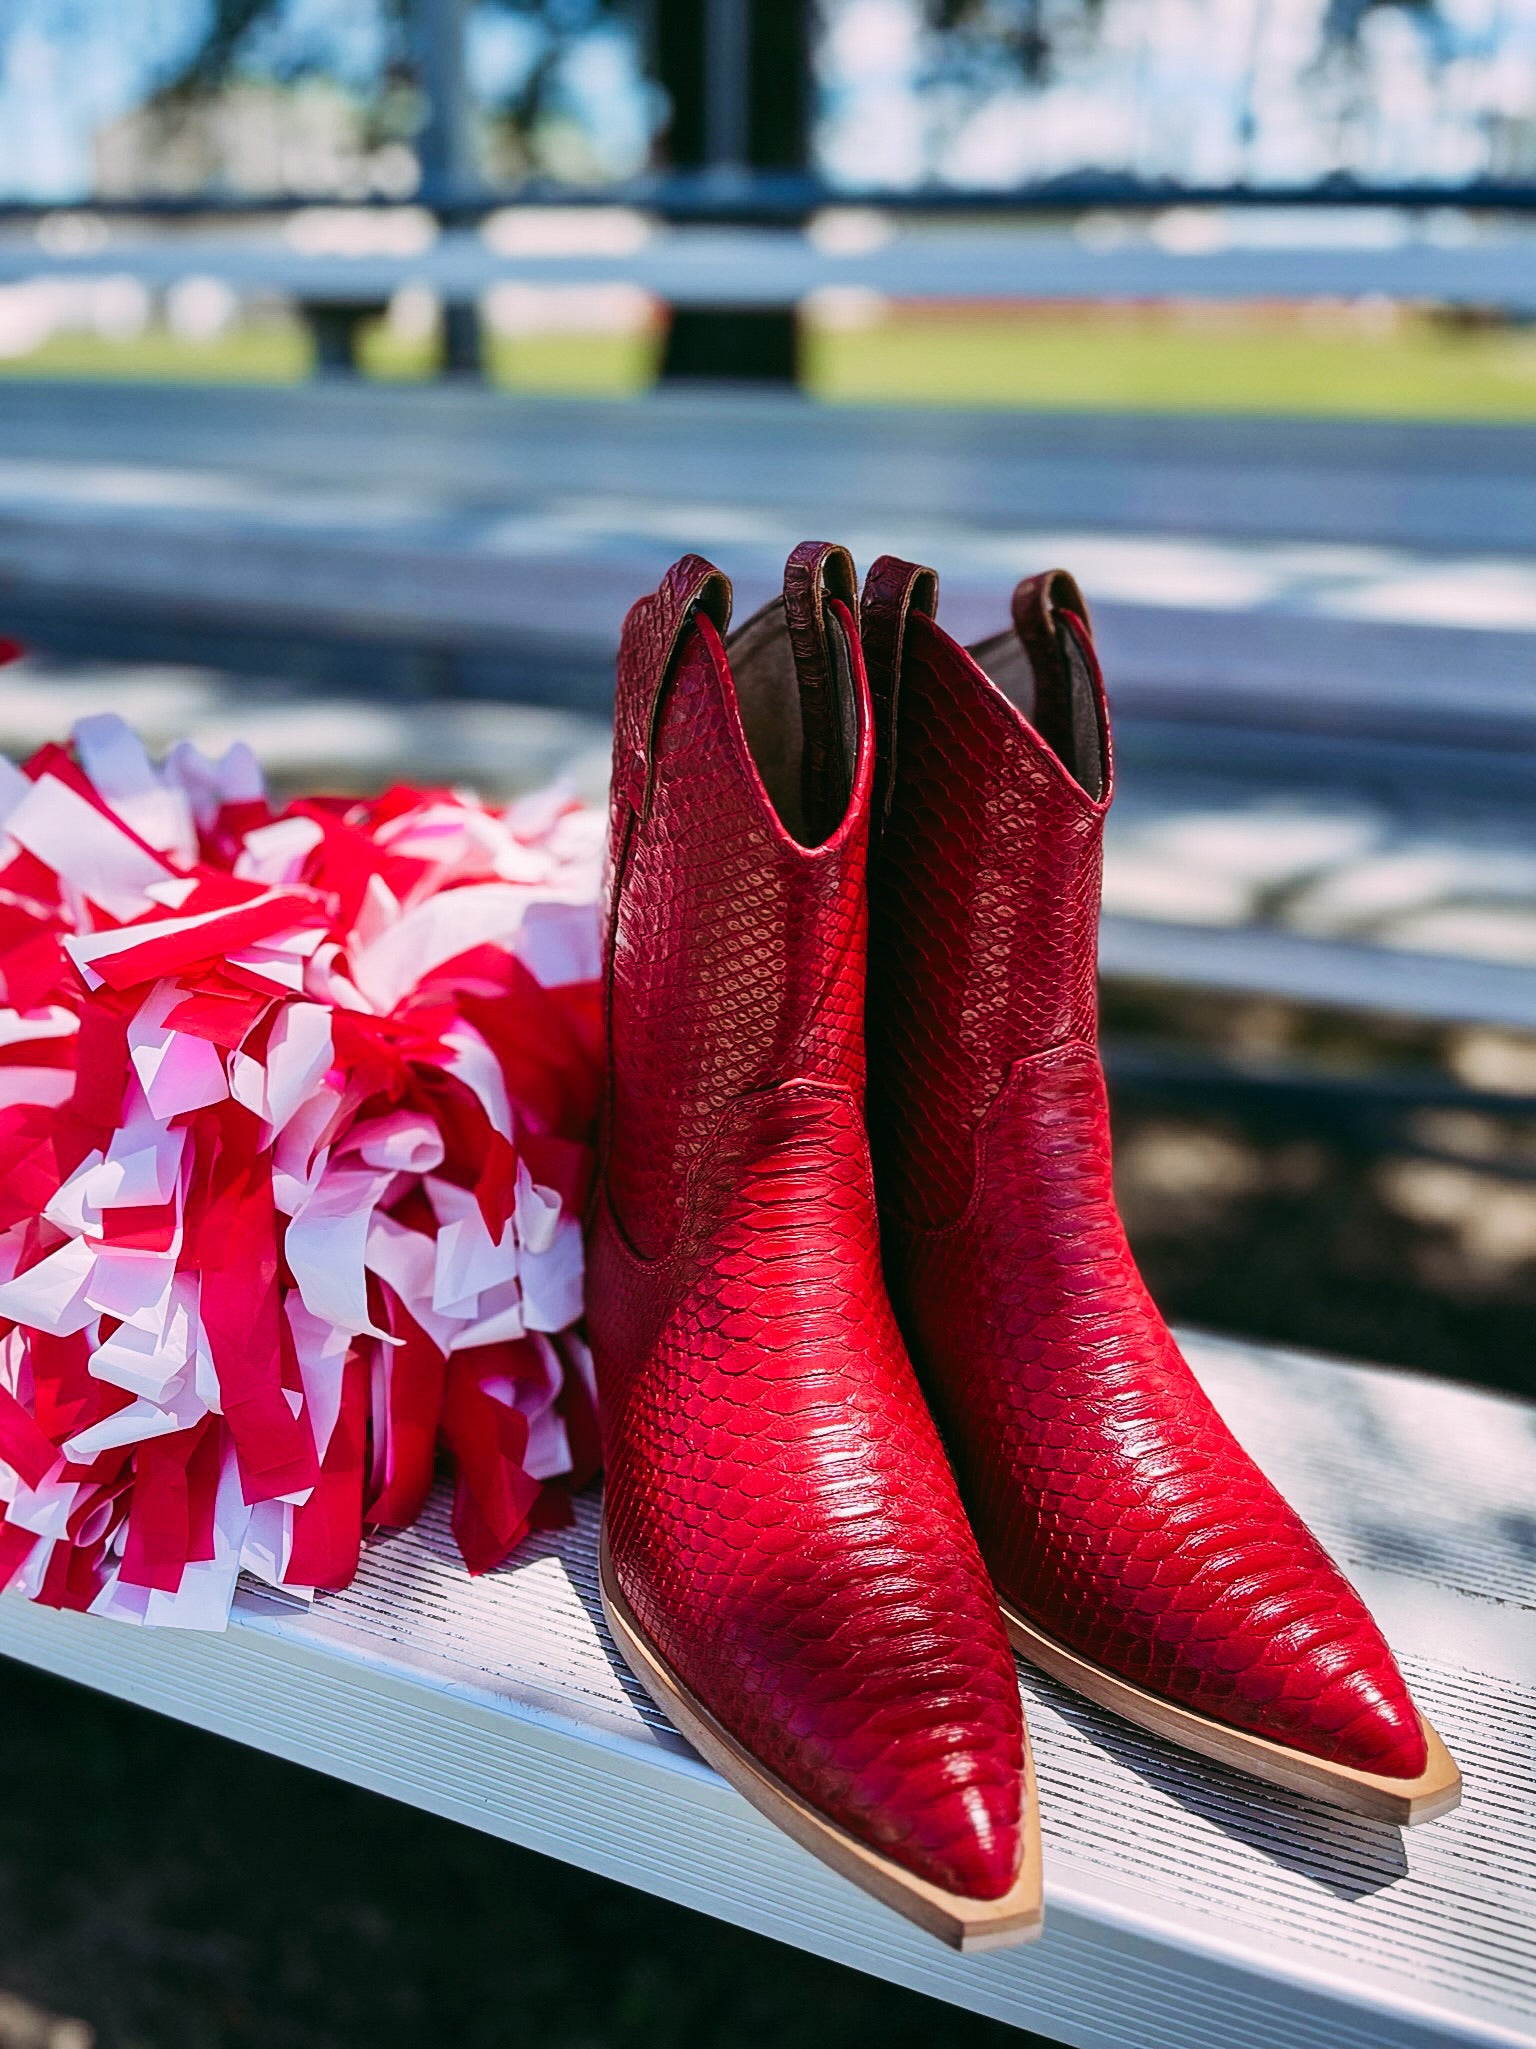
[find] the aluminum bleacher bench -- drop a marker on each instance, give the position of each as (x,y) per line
(1187,1907)
(745,266)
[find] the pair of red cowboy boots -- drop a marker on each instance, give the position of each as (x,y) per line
(810,868)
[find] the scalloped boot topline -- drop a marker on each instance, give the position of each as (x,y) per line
(787,1566)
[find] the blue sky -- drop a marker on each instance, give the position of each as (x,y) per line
(68,65)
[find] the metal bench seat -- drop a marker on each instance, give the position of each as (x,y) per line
(1186,1906)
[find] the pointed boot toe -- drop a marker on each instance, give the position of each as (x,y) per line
(955,1817)
(787,1565)
(1342,1698)
(879,1692)
(1141,1555)
(1202,1585)
(912,1726)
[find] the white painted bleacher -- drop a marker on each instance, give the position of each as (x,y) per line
(333,255)
(1186,1907)
(1320,636)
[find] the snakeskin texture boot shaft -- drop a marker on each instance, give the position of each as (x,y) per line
(781,1518)
(1115,1509)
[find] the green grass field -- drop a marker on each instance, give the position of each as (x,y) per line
(1238,360)
(1230,360)
(280,353)
(245,355)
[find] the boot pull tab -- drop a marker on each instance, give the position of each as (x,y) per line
(648,647)
(893,591)
(815,572)
(1050,616)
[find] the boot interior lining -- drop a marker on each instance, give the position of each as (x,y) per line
(1006,661)
(768,696)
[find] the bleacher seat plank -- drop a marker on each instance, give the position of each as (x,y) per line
(1186,1907)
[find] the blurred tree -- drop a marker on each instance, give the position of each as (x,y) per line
(415,35)
(775,46)
(980,38)
(214,58)
(1343,20)
(1342,75)
(232,27)
(360,59)
(537,97)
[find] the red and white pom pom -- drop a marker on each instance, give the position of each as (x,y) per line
(294,1118)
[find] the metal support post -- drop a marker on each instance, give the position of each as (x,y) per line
(738,76)
(445,144)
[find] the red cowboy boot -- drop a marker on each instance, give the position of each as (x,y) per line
(787,1566)
(1140,1554)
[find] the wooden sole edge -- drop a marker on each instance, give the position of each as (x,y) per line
(970,1926)
(1406,1802)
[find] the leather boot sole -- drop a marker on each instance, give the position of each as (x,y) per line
(965,1924)
(1435,1791)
